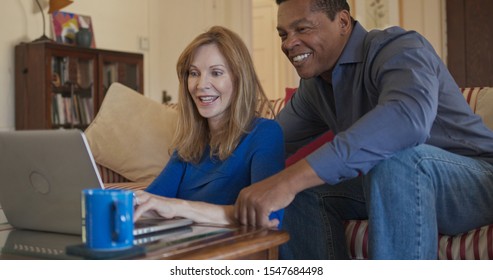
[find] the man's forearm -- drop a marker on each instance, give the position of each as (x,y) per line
(299,177)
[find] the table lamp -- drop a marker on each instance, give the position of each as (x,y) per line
(55,5)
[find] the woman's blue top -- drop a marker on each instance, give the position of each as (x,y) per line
(259,155)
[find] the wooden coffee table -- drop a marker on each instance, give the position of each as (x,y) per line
(233,243)
(240,243)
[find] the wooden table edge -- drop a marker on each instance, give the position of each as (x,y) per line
(242,246)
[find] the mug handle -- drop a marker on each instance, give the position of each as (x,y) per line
(121,224)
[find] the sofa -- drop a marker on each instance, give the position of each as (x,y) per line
(121,107)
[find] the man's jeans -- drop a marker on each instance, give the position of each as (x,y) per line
(408,199)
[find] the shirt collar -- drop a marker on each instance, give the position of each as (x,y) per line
(353,51)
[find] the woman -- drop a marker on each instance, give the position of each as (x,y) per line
(221,145)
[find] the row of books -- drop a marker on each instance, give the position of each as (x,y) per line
(72,110)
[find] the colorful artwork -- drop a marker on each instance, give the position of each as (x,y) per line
(66,25)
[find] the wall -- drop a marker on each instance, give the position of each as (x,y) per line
(178,22)
(428,18)
(273,68)
(425,16)
(17,15)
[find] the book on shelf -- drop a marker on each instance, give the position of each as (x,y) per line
(85,77)
(75,110)
(72,110)
(59,109)
(110,74)
(88,109)
(67,109)
(55,118)
(60,70)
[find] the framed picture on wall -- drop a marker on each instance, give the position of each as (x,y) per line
(72,29)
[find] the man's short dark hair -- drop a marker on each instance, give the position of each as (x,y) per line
(329,7)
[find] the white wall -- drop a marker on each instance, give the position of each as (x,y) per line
(428,18)
(17,25)
(424,16)
(178,22)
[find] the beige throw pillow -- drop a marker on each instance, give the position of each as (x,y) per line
(131,134)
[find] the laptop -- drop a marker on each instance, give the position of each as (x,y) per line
(42,174)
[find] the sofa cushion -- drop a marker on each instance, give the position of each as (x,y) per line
(276,106)
(310,148)
(476,244)
(480,100)
(289,93)
(131,134)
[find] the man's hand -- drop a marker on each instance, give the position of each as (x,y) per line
(256,202)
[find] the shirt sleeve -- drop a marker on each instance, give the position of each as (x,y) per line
(407,85)
(168,181)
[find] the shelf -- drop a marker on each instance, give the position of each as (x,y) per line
(61,86)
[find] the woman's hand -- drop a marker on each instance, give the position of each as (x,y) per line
(150,205)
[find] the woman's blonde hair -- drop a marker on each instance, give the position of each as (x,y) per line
(192,133)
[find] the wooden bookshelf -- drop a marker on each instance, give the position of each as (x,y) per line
(61,86)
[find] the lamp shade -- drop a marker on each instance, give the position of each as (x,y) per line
(56,5)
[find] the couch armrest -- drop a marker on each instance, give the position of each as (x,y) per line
(131,186)
(110,176)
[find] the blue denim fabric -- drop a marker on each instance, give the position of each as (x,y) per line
(315,218)
(409,199)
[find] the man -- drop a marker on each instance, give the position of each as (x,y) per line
(408,154)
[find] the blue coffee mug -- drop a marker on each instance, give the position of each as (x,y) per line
(107,219)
